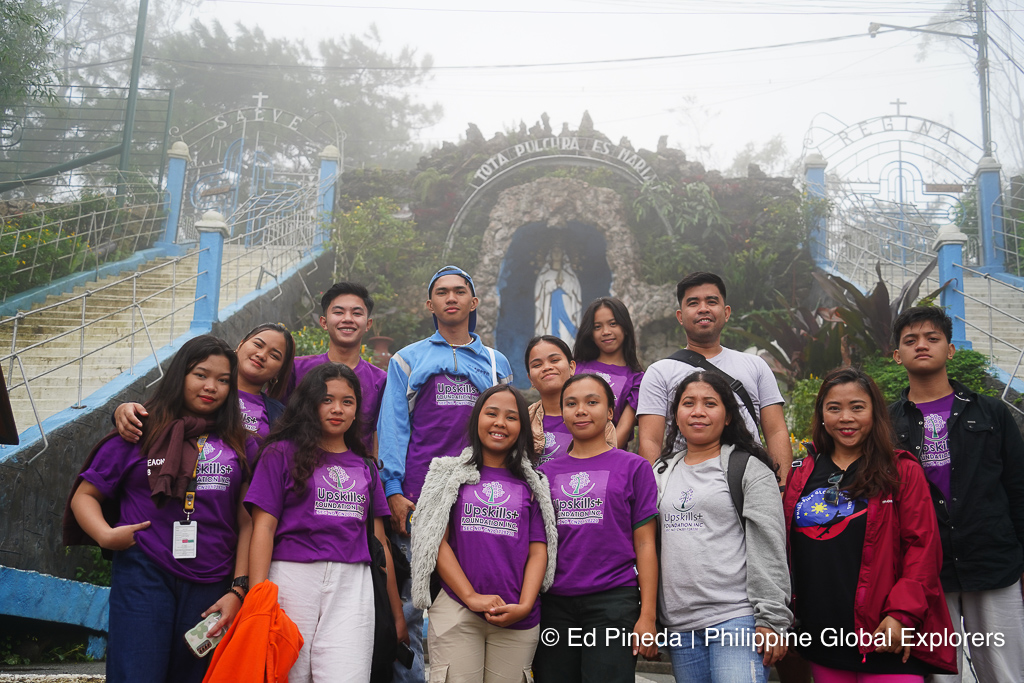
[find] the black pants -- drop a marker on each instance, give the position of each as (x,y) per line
(583,654)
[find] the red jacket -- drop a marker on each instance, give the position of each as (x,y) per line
(899,569)
(262,644)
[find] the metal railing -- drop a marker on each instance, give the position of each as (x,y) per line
(1009,241)
(866,232)
(102,332)
(42,243)
(988,321)
(272,233)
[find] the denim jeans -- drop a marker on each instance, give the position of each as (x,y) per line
(150,611)
(711,662)
(413,619)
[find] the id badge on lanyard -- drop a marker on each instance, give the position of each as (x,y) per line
(184,539)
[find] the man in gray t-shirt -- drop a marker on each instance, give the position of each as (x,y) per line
(703,314)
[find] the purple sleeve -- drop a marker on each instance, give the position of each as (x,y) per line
(110,466)
(270,482)
(633,395)
(252,449)
(645,494)
(537,534)
(380,501)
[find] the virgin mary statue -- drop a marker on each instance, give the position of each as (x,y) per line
(557,300)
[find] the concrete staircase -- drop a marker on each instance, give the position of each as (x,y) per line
(1001,326)
(50,343)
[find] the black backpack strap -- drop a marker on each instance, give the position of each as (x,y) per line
(698,361)
(737,466)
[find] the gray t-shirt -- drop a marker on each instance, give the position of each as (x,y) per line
(662,378)
(703,577)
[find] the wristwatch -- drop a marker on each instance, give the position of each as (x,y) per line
(241,582)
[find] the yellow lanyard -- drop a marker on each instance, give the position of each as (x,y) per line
(190,489)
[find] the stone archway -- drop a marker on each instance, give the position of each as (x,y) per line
(572,208)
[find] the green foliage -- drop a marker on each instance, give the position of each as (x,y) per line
(685,207)
(967,367)
(20,648)
(970,368)
(47,243)
(29,48)
(868,318)
(387,255)
(99,571)
(800,407)
(310,341)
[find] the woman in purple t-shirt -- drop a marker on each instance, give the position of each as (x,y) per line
(313,493)
(600,611)
(484,520)
(173,560)
(606,346)
(550,365)
(265,357)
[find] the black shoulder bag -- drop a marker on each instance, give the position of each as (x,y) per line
(698,361)
(385,638)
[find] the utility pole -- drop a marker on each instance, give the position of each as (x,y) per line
(981,38)
(133,96)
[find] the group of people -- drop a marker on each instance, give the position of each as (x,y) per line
(540,545)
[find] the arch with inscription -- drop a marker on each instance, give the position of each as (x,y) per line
(254,152)
(555,151)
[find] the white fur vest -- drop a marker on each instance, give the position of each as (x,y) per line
(433,511)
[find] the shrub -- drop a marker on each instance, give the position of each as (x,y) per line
(967,367)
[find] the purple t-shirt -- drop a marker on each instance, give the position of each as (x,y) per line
(119,471)
(371,386)
(326,522)
(254,414)
(492,525)
(935,449)
(557,439)
(625,383)
(599,501)
(437,426)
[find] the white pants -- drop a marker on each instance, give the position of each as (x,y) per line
(990,612)
(332,604)
(464,648)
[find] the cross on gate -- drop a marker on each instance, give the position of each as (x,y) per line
(898,103)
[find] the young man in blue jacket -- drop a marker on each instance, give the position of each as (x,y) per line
(973,457)
(431,388)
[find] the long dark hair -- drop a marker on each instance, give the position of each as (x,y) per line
(877,472)
(585,347)
(522,449)
(735,432)
(167,402)
(279,385)
(300,423)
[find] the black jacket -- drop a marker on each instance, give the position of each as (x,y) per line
(983,537)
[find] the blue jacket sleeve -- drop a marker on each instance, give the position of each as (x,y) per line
(393,427)
(504,368)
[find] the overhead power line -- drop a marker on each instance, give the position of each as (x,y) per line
(461,67)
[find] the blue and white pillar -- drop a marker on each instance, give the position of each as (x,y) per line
(990,216)
(949,245)
(814,181)
(212,231)
(176,166)
(330,166)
